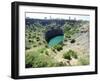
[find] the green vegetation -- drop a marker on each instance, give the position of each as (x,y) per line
(72,41)
(58,47)
(38,59)
(70,54)
(70,30)
(84,60)
(39,54)
(60,64)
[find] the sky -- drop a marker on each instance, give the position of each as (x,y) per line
(57,16)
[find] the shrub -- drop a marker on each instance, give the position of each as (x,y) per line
(68,36)
(41,50)
(72,41)
(46,46)
(29,35)
(34,36)
(40,43)
(37,38)
(27,45)
(44,41)
(65,40)
(60,64)
(58,47)
(34,45)
(68,55)
(46,52)
(30,40)
(36,59)
(53,49)
(28,65)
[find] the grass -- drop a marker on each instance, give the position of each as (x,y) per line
(84,60)
(39,59)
